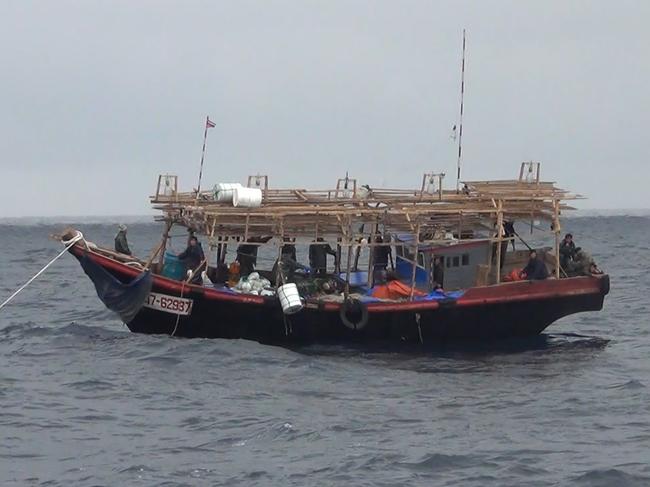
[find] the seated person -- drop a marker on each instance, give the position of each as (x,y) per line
(535,270)
(582,265)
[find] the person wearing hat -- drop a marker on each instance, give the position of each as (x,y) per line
(121,245)
(568,251)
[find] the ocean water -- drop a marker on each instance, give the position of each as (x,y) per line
(85,402)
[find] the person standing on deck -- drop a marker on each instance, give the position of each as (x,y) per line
(318,252)
(567,251)
(438,273)
(289,248)
(121,245)
(380,254)
(286,266)
(193,258)
(247,254)
(535,270)
(380,258)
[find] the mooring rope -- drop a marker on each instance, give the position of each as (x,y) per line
(178,316)
(68,244)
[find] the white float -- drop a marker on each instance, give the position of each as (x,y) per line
(247,197)
(225,191)
(289,298)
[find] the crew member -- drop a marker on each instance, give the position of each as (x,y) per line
(290,248)
(380,254)
(438,273)
(318,252)
(380,257)
(285,267)
(567,251)
(121,245)
(193,258)
(247,254)
(535,270)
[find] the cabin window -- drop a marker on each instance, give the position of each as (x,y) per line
(456,261)
(406,252)
(465,259)
(448,262)
(420,259)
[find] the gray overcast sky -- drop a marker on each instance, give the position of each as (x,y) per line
(98,97)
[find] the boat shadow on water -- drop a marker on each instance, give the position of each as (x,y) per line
(544,343)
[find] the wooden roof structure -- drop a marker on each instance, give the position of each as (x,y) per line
(348,210)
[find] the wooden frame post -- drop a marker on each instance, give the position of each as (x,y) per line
(163,244)
(415,260)
(557,229)
(499,239)
(371,240)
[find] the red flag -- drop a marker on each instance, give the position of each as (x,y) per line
(209,123)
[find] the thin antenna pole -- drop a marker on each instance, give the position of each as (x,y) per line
(460,122)
(208,124)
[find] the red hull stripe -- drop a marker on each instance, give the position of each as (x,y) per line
(503,293)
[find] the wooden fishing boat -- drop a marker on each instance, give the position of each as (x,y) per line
(461,232)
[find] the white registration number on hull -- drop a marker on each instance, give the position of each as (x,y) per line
(169,304)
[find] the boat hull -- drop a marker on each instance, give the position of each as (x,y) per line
(508,310)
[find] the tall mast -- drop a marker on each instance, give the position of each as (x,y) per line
(460,122)
(208,125)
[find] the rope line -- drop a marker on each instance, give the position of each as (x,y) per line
(68,244)
(178,316)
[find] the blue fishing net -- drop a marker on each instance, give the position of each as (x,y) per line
(125,299)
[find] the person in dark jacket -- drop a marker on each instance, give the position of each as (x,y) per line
(247,258)
(285,267)
(438,273)
(318,252)
(121,245)
(380,254)
(193,257)
(289,248)
(247,254)
(535,270)
(567,251)
(380,258)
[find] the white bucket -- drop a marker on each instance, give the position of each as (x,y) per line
(225,191)
(289,298)
(247,197)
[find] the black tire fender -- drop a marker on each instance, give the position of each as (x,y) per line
(353,306)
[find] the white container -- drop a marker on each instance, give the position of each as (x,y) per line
(225,191)
(289,298)
(247,197)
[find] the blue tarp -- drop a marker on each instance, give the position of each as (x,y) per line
(437,295)
(433,296)
(124,299)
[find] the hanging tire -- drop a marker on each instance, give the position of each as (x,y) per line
(354,314)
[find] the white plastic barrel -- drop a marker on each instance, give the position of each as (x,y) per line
(225,191)
(247,197)
(289,298)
